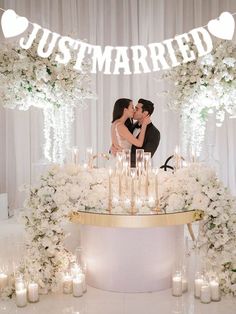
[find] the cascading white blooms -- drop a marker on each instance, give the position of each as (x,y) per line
(202,86)
(197,187)
(64,190)
(29,80)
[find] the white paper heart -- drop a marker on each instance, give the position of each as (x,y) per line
(223,27)
(12,24)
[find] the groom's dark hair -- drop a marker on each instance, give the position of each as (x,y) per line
(119,107)
(147,105)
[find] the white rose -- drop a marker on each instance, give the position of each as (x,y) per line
(60,197)
(175,202)
(200,201)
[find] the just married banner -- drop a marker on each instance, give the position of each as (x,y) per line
(116,60)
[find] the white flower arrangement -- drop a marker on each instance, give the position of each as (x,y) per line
(203,86)
(63,191)
(29,80)
(198,188)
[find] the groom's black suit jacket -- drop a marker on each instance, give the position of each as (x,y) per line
(150,143)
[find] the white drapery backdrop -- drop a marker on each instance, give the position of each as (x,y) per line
(116,23)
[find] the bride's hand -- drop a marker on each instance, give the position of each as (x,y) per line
(146,120)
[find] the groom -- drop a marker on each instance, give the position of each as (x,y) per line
(152,135)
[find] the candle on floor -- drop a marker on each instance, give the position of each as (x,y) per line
(215,290)
(67,284)
(3,280)
(177,284)
(184,279)
(21,297)
(197,285)
(83,279)
(205,295)
(77,286)
(33,292)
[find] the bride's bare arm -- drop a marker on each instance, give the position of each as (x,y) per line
(125,133)
(115,146)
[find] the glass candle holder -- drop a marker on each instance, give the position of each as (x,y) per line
(140,160)
(147,160)
(80,259)
(126,157)
(205,292)
(67,283)
(33,292)
(215,288)
(21,293)
(177,284)
(184,279)
(3,280)
(77,286)
(197,284)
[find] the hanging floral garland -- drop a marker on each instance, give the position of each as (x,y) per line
(202,86)
(29,80)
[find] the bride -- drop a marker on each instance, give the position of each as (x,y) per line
(122,138)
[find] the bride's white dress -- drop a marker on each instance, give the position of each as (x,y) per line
(123,143)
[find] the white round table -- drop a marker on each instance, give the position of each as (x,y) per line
(127,253)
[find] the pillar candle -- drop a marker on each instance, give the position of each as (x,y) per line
(177,285)
(197,287)
(33,292)
(205,295)
(3,280)
(77,287)
(67,284)
(215,290)
(184,284)
(21,297)
(84,284)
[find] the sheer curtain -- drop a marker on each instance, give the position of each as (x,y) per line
(117,23)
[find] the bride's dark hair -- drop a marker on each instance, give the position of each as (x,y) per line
(119,107)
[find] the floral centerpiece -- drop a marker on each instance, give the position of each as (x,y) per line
(204,86)
(29,80)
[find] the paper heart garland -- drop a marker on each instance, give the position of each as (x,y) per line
(12,24)
(223,27)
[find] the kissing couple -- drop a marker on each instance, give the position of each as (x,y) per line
(127,134)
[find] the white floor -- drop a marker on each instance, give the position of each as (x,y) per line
(103,302)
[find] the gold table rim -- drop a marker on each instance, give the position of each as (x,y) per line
(135,221)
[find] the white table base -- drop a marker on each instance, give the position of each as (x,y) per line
(131,260)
